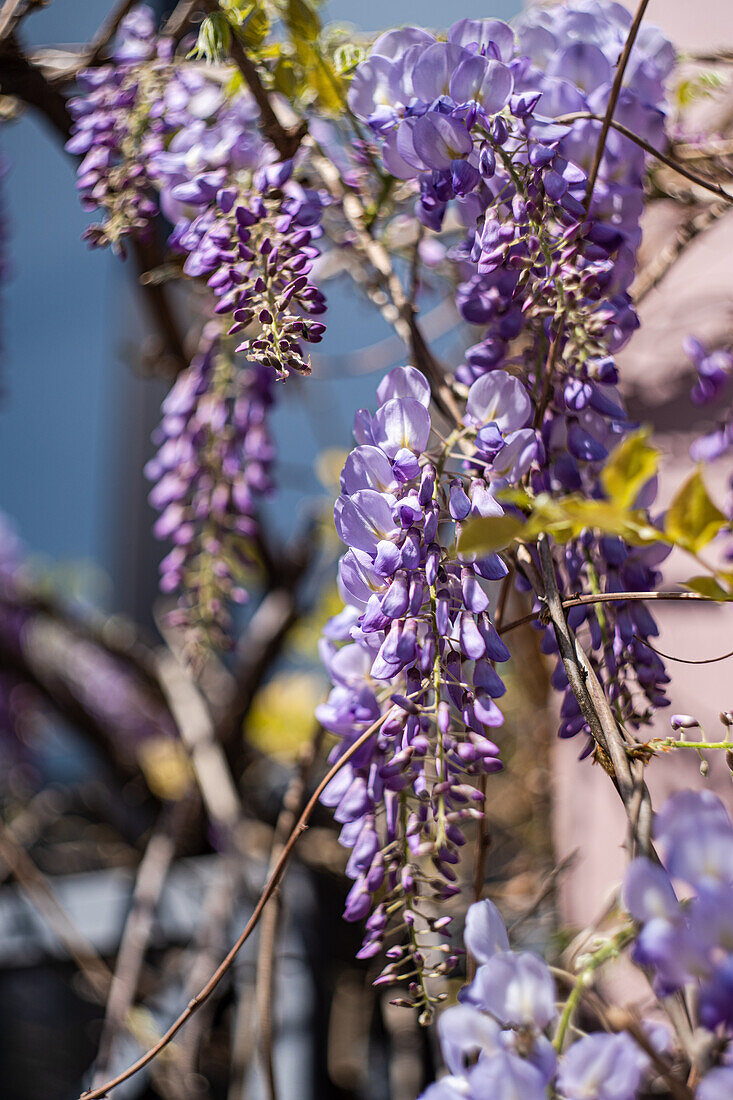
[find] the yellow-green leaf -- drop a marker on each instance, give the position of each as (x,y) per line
(486,535)
(692,519)
(629,467)
(302,21)
(708,586)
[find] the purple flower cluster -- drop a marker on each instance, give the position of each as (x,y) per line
(212,466)
(688,942)
(633,675)
(160,134)
(256,252)
(714,369)
(494,1042)
(419,651)
(545,271)
(115,130)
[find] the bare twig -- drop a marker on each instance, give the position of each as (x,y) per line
(271,885)
(398,310)
(264,985)
(613,100)
(709,185)
(685,660)
(149,883)
(613,597)
(196,728)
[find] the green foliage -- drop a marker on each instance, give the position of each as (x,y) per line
(485,536)
(629,468)
(692,519)
(710,587)
(214,38)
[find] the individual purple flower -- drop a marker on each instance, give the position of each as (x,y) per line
(602,1067)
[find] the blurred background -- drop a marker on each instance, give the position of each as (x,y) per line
(88,790)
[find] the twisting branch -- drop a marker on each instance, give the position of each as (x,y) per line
(597,711)
(613,100)
(398,311)
(265,980)
(675,165)
(287,142)
(270,887)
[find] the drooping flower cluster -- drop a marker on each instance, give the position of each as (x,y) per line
(487,120)
(213,464)
(161,134)
(688,941)
(256,252)
(114,131)
(420,648)
(494,1043)
(475,118)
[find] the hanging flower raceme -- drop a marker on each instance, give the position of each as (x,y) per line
(116,130)
(415,650)
(255,248)
(212,467)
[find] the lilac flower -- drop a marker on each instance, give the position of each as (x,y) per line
(716,1084)
(713,370)
(212,466)
(689,941)
(418,648)
(113,131)
(494,1042)
(602,1067)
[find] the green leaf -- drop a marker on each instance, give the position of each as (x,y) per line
(302,21)
(708,586)
(486,535)
(692,519)
(629,467)
(285,78)
(255,26)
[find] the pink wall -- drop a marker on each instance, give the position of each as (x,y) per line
(696,297)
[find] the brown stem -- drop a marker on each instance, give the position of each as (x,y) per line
(265,979)
(611,597)
(270,887)
(715,188)
(613,100)
(287,142)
